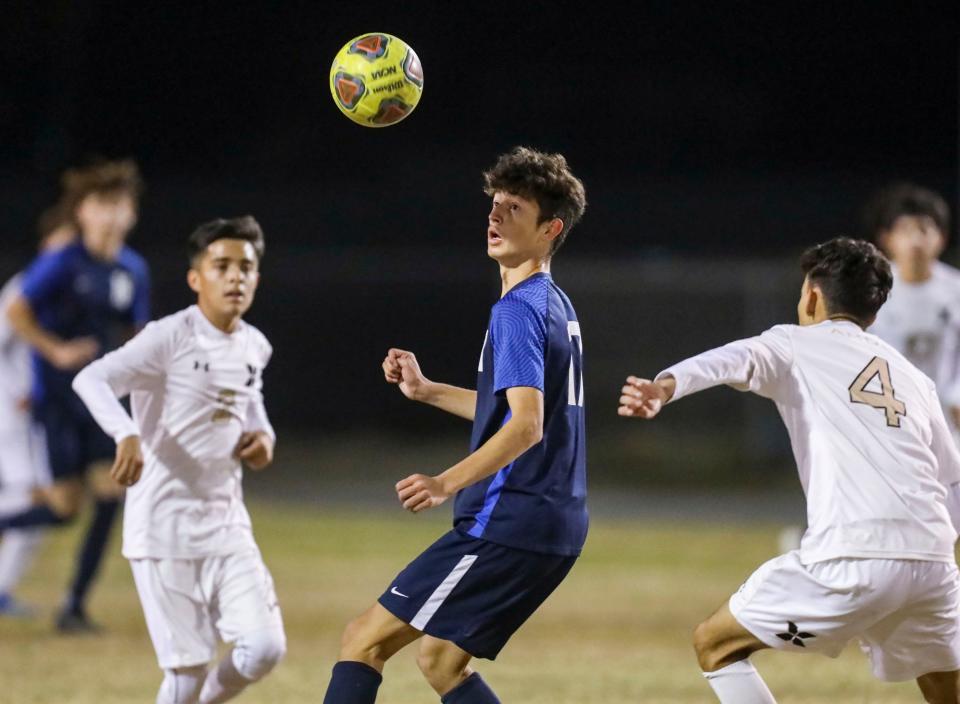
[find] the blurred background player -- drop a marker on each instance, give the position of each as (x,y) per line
(874,455)
(520,516)
(23,462)
(194,379)
(922,317)
(74,305)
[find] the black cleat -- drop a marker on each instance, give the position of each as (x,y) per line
(76,623)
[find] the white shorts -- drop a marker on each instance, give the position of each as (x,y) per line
(905,612)
(189,604)
(23,466)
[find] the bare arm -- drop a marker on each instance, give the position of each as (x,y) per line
(400,367)
(524,430)
(62,354)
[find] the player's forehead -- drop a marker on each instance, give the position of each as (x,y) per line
(911,223)
(523,200)
(230,249)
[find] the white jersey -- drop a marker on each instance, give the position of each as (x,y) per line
(193,390)
(917,320)
(15,368)
(870,440)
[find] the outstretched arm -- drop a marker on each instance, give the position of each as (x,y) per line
(524,430)
(400,367)
(758,364)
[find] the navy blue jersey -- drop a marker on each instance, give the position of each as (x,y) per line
(537,502)
(73,294)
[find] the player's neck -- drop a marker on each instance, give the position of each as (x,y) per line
(224,322)
(915,272)
(511,276)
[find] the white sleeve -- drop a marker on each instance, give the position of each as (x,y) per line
(138,364)
(257,419)
(758,364)
(948,375)
(942,444)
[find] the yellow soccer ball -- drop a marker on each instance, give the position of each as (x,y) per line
(376,79)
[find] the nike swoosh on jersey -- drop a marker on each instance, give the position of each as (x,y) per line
(393,590)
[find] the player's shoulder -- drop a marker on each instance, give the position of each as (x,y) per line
(175,326)
(947,276)
(57,257)
(258,340)
(532,294)
(133,261)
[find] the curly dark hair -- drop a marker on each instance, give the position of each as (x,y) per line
(544,178)
(904,199)
(241,228)
(853,275)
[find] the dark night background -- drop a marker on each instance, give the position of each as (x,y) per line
(715,141)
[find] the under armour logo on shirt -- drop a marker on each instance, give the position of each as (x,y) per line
(794,635)
(253,374)
(205,366)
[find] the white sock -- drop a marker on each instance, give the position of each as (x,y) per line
(223,682)
(17,548)
(739,683)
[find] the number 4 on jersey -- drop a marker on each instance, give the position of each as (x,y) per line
(885,400)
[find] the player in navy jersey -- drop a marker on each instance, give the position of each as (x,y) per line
(76,304)
(520,516)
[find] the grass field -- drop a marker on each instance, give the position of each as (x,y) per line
(616,631)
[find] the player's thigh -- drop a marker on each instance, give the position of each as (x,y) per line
(923,635)
(176,611)
(939,687)
(242,595)
(816,607)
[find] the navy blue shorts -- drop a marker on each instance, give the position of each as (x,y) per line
(74,440)
(472,592)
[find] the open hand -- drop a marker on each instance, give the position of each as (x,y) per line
(642,398)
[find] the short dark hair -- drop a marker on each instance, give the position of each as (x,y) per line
(853,275)
(101,176)
(241,228)
(545,178)
(904,198)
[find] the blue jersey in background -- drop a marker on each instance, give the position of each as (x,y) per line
(73,294)
(538,502)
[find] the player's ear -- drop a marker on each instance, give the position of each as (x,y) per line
(193,280)
(814,296)
(554,228)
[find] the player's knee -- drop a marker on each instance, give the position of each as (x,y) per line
(939,688)
(258,653)
(357,639)
(704,645)
(182,685)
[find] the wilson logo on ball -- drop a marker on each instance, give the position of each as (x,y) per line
(370,47)
(349,89)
